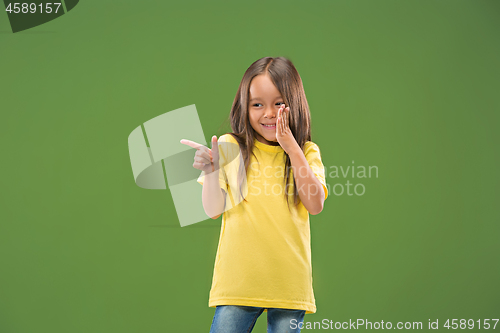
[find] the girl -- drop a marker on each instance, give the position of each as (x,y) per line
(263,260)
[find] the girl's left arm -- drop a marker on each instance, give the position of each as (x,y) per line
(310,190)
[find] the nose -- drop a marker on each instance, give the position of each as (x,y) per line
(269,112)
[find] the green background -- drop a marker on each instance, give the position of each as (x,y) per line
(408,86)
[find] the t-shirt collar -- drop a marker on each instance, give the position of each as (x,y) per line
(263,146)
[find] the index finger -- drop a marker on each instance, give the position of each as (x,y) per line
(192,144)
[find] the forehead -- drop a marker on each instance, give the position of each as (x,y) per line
(262,87)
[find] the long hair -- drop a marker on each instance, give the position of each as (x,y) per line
(287,80)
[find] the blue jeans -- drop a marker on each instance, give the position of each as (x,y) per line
(241,319)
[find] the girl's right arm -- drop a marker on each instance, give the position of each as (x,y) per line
(213,197)
(207,160)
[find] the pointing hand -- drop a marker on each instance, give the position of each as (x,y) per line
(205,159)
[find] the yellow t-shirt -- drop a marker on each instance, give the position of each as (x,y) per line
(264,253)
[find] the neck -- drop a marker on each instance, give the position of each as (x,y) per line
(266,142)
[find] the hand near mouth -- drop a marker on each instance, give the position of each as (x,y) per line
(284,134)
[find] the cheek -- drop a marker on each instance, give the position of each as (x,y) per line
(254,118)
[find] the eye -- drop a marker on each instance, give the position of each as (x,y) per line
(279,103)
(256,104)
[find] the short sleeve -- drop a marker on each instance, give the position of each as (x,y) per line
(313,157)
(222,162)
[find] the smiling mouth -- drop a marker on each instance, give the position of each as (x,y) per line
(271,126)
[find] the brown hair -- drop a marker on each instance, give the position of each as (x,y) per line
(287,80)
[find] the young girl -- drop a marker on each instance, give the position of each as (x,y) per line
(263,260)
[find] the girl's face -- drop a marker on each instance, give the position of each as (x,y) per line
(264,103)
